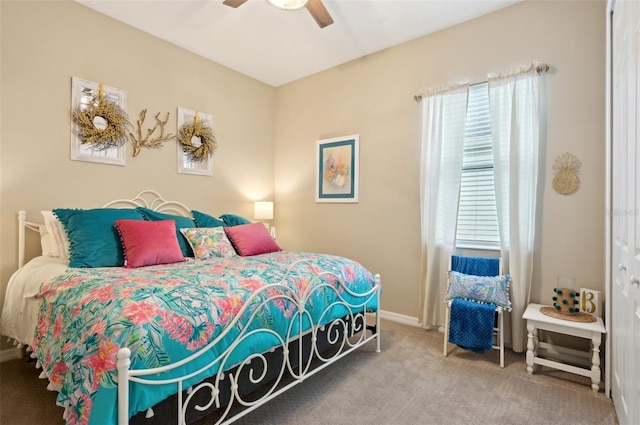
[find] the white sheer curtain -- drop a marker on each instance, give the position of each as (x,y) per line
(444,120)
(515,131)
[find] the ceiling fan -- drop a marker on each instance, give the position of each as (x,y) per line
(315,7)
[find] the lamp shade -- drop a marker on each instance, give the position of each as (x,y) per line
(263,210)
(288,4)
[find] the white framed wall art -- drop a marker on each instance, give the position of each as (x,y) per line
(84,95)
(186,163)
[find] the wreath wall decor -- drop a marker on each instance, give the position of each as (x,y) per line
(102,124)
(566,180)
(197,140)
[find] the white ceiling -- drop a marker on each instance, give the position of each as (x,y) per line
(276,46)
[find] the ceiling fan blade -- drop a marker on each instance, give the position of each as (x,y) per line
(234,3)
(319,13)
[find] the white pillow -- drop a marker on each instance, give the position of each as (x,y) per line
(55,227)
(48,242)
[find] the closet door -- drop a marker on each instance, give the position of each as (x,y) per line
(625,198)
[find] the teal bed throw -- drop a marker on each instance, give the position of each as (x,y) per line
(165,313)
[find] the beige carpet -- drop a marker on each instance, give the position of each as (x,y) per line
(410,382)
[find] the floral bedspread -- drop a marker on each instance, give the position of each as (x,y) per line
(163,314)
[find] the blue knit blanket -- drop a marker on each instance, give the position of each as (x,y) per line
(471,325)
(478,266)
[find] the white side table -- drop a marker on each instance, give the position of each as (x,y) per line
(593,331)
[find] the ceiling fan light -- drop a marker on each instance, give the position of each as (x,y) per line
(288,4)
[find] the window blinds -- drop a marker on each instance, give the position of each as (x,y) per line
(477,216)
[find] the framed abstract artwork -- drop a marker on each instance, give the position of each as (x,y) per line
(337,163)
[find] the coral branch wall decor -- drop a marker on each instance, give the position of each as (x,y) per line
(566,180)
(147,141)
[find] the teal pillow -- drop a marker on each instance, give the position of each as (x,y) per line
(206,220)
(93,238)
(234,220)
(181,223)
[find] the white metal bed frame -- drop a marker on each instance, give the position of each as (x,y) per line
(352,337)
(345,335)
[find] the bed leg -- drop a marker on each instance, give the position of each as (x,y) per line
(123,385)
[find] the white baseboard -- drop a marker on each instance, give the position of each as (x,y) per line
(400,318)
(10,354)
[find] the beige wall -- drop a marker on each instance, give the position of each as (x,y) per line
(45,43)
(373,97)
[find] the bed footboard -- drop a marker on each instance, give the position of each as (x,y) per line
(345,324)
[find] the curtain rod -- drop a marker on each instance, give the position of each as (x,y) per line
(541,68)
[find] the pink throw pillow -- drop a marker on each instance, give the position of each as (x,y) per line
(251,239)
(147,243)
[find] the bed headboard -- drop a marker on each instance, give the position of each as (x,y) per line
(152,200)
(146,198)
(23,224)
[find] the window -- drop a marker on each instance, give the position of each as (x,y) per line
(477,215)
